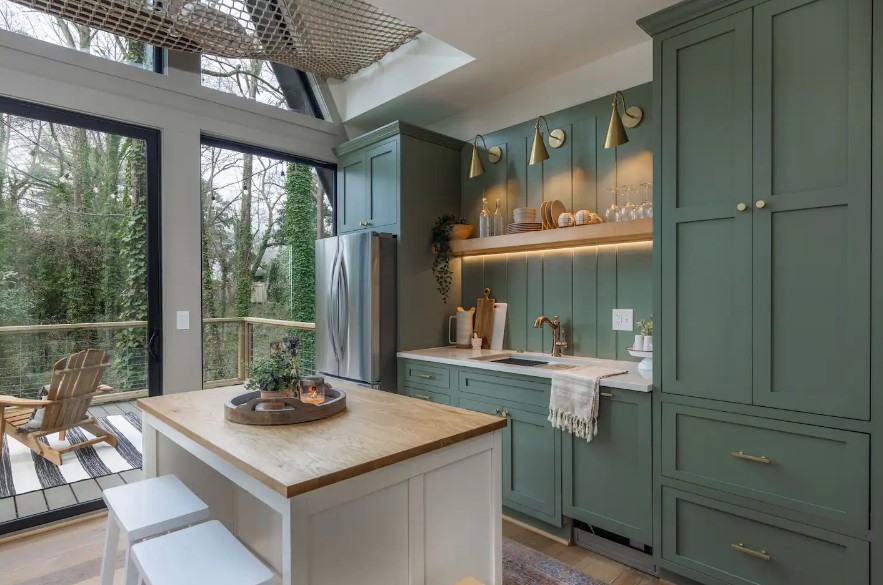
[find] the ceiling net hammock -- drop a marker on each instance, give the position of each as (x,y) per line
(331,38)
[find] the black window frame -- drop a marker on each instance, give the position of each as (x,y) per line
(152,140)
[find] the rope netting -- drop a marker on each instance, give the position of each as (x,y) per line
(331,38)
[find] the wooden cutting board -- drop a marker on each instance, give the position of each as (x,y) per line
(484,318)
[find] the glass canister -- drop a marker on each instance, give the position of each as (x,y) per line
(312,389)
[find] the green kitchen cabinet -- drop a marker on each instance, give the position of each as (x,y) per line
(706,242)
(369,188)
(737,546)
(812,203)
(428,395)
(607,483)
(765,208)
(399,179)
(531,458)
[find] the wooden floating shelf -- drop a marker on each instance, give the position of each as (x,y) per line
(584,235)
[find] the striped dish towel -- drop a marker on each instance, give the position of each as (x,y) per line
(573,406)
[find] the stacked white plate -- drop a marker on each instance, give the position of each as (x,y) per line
(524,215)
(518,228)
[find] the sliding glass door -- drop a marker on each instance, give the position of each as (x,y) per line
(79,269)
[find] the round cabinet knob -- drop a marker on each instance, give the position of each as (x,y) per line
(760,204)
(741,207)
(363,223)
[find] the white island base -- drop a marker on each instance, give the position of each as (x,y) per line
(431,519)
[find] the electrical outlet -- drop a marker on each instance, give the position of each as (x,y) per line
(622,319)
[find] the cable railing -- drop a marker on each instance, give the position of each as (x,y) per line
(28,353)
(230,344)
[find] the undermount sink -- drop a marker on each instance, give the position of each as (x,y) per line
(519,362)
(512,360)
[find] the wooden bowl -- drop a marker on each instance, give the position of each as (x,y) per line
(461,231)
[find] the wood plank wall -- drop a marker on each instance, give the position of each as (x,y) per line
(581,285)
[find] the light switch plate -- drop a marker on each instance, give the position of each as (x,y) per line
(183,319)
(622,319)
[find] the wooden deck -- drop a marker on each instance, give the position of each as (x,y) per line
(36,502)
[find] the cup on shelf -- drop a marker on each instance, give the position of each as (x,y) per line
(566,220)
(582,217)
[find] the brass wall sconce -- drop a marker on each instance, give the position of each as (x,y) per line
(494,155)
(632,116)
(538,152)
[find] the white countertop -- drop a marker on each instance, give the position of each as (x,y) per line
(453,356)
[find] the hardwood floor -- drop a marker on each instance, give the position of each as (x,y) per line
(71,555)
(581,559)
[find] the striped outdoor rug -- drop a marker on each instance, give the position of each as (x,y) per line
(22,471)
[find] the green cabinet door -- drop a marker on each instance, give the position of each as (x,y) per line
(706,239)
(531,459)
(532,465)
(381,203)
(352,181)
(608,482)
(812,171)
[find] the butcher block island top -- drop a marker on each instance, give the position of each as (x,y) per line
(377,429)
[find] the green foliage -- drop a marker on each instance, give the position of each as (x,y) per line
(441,247)
(15,306)
(298,232)
(645,326)
(272,374)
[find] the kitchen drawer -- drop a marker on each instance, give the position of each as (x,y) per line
(427,375)
(742,547)
(811,470)
(430,395)
(509,388)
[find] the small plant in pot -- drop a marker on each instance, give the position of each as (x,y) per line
(446,227)
(272,376)
(645,326)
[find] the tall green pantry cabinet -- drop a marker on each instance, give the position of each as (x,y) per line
(399,179)
(764,420)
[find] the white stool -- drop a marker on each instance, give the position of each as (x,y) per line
(205,553)
(146,509)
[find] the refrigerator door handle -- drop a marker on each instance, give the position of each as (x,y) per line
(334,303)
(344,296)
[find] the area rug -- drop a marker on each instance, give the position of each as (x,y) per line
(23,471)
(524,566)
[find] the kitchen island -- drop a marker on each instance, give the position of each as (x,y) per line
(392,491)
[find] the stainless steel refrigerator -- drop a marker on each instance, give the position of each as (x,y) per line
(356,308)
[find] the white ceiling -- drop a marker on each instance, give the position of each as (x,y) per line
(513,43)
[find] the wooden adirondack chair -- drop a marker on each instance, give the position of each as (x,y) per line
(76,380)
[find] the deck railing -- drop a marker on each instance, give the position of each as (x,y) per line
(230,344)
(28,352)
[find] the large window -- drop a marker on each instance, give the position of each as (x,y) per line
(58,31)
(261,81)
(262,213)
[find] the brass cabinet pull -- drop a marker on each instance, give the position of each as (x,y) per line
(606,394)
(423,396)
(427,376)
(505,413)
(760,204)
(761,554)
(741,207)
(498,411)
(755,458)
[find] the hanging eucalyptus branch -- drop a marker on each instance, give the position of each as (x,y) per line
(441,247)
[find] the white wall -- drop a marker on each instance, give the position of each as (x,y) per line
(181,109)
(627,68)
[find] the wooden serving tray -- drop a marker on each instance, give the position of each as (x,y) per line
(244,409)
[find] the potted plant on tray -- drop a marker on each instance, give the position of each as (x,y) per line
(272,376)
(446,227)
(646,328)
